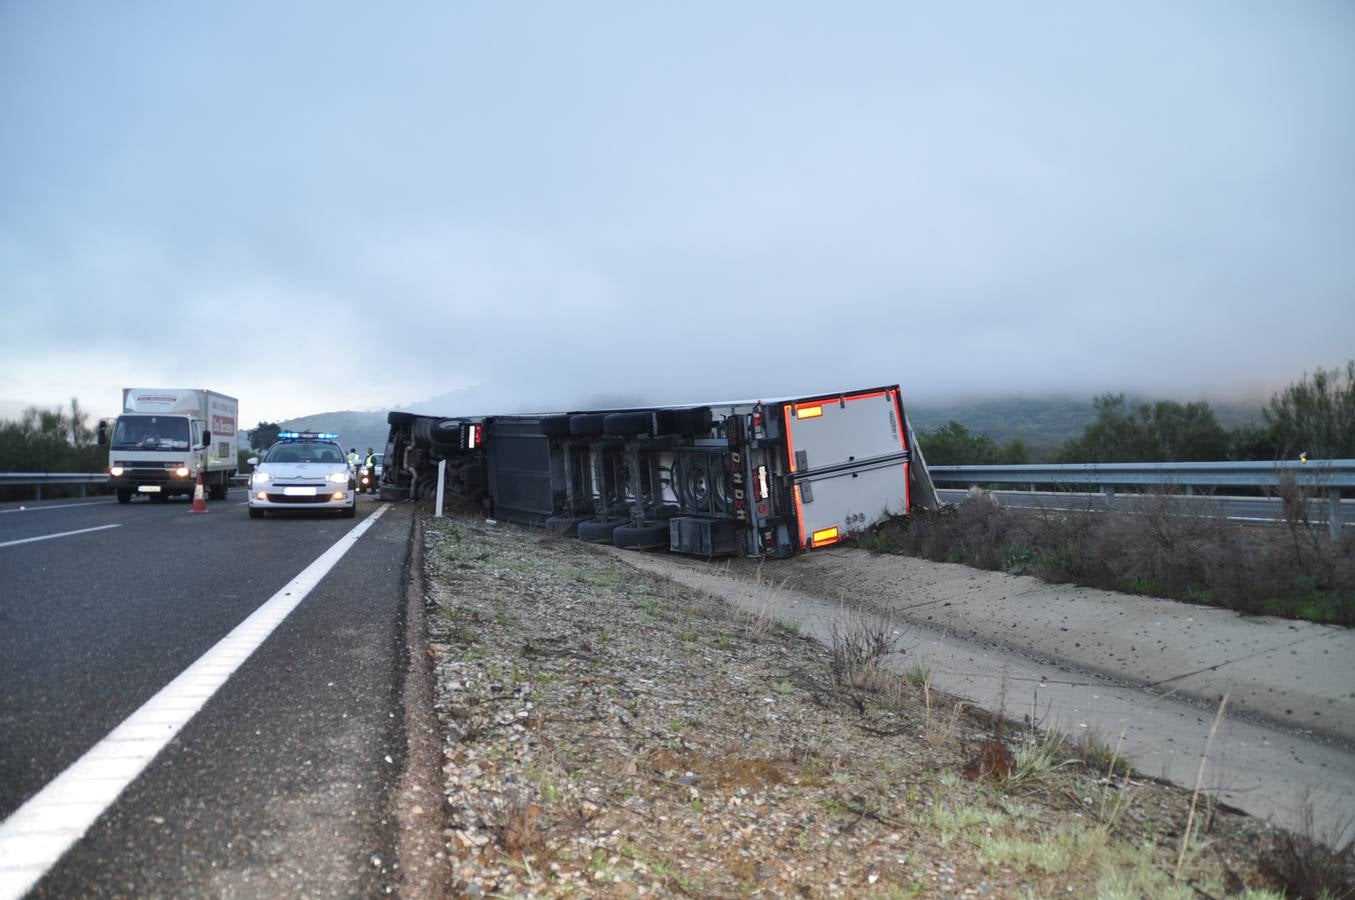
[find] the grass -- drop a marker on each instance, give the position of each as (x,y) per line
(1165,547)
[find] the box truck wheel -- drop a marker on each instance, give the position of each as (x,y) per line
(218,490)
(595,532)
(399,418)
(648,536)
(124,496)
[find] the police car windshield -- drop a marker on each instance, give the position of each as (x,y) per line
(304,452)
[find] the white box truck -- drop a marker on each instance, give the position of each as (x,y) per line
(165,437)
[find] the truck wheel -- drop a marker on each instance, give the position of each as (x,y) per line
(649,536)
(624,424)
(595,532)
(124,496)
(255,512)
(555,426)
(565,526)
(218,490)
(697,420)
(400,418)
(586,423)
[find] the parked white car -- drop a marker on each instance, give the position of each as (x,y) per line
(303,470)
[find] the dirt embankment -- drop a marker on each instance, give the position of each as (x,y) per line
(609,733)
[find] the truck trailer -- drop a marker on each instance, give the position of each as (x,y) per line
(763,478)
(165,437)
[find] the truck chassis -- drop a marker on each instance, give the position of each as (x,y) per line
(755,478)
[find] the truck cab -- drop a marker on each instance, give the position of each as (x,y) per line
(162,441)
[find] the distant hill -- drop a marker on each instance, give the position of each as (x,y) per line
(1044,423)
(355,429)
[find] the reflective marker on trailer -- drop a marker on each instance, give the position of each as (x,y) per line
(809,412)
(760,486)
(823,536)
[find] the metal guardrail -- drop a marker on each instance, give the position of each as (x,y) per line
(38,479)
(1316,473)
(1328,476)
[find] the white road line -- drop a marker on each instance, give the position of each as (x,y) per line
(61,534)
(36,835)
(59,506)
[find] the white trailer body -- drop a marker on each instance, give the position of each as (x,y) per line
(166,437)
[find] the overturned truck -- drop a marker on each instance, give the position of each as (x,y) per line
(757,478)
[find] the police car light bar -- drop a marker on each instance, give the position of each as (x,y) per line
(308,435)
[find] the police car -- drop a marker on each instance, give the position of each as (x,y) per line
(303,470)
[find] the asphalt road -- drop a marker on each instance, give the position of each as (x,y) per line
(1260,510)
(282,783)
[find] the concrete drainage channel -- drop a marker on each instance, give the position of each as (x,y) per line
(1266,770)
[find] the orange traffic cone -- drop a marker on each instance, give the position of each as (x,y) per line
(199,497)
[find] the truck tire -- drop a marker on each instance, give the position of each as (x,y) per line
(555,426)
(255,512)
(628,423)
(697,420)
(425,487)
(595,532)
(586,423)
(124,496)
(565,526)
(400,418)
(649,536)
(218,491)
(393,493)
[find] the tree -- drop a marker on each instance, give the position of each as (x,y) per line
(1316,415)
(50,440)
(1165,431)
(264,436)
(953,444)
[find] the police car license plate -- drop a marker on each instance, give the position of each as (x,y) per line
(149,488)
(299,491)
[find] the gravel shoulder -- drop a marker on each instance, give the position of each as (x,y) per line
(608,732)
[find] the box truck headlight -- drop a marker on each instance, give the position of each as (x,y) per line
(260,477)
(182,471)
(116,471)
(337,477)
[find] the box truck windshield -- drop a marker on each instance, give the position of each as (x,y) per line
(150,433)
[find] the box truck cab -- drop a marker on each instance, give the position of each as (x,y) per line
(165,437)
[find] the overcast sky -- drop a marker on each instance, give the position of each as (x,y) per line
(320,206)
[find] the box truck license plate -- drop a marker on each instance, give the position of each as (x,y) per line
(299,491)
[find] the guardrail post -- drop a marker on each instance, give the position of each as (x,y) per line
(1334,513)
(442,481)
(37,492)
(1109,491)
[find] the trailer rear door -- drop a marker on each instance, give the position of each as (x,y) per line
(848,458)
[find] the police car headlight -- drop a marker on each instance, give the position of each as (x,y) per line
(337,477)
(260,477)
(115,471)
